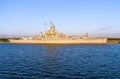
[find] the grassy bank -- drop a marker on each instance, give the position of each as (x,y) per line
(113,40)
(4,40)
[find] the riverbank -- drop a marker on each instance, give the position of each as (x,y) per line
(113,40)
(4,40)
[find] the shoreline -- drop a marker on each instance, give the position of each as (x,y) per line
(64,42)
(59,43)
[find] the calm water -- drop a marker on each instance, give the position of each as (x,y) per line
(20,61)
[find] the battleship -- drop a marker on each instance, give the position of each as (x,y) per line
(52,36)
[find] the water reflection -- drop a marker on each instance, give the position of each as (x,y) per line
(52,64)
(51,51)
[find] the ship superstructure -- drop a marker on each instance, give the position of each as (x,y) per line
(51,34)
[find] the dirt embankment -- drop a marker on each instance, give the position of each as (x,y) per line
(3,40)
(113,40)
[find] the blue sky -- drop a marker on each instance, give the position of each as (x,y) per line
(27,17)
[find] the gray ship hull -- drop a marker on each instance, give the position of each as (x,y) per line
(63,41)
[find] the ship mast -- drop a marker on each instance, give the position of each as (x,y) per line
(45,24)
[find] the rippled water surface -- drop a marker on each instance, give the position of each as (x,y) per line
(27,61)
